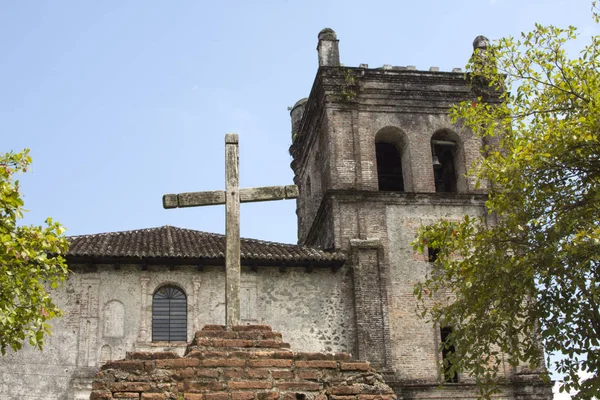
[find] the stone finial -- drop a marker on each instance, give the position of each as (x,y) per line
(329,53)
(296,114)
(481,56)
(327,34)
(480,42)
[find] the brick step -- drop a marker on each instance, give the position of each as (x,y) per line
(260,353)
(240,337)
(204,342)
(141,362)
(255,332)
(237,328)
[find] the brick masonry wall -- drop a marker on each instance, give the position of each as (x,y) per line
(335,141)
(412,106)
(249,362)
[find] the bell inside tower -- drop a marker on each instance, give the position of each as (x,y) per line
(443,152)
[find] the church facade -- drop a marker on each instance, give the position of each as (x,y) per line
(375,156)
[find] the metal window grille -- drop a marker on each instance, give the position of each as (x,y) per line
(169,314)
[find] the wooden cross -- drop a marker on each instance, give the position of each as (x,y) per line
(231,197)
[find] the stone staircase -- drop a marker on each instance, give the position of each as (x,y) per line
(245,362)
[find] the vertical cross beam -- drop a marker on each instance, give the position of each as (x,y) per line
(232,230)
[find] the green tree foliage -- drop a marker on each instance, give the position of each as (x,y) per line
(30,262)
(527,273)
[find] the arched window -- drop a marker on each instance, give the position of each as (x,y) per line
(169,314)
(392,160)
(444,147)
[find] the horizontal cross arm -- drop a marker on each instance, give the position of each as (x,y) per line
(268,193)
(247,195)
(194,199)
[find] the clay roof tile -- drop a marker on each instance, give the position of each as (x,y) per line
(169,242)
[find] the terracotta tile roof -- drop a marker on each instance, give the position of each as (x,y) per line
(172,244)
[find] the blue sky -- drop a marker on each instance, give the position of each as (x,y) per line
(123,101)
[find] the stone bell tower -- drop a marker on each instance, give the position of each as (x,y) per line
(375,156)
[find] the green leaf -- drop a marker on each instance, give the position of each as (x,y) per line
(24,263)
(528,276)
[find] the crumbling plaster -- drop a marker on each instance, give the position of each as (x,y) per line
(313,307)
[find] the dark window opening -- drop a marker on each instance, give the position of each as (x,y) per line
(432,254)
(447,352)
(389,167)
(444,168)
(169,315)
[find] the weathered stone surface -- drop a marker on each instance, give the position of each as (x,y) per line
(329,54)
(232,231)
(238,375)
(170,201)
(215,197)
(293,299)
(195,199)
(291,191)
(265,193)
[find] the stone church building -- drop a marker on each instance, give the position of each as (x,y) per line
(375,156)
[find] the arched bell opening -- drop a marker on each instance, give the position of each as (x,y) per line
(446,151)
(393,165)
